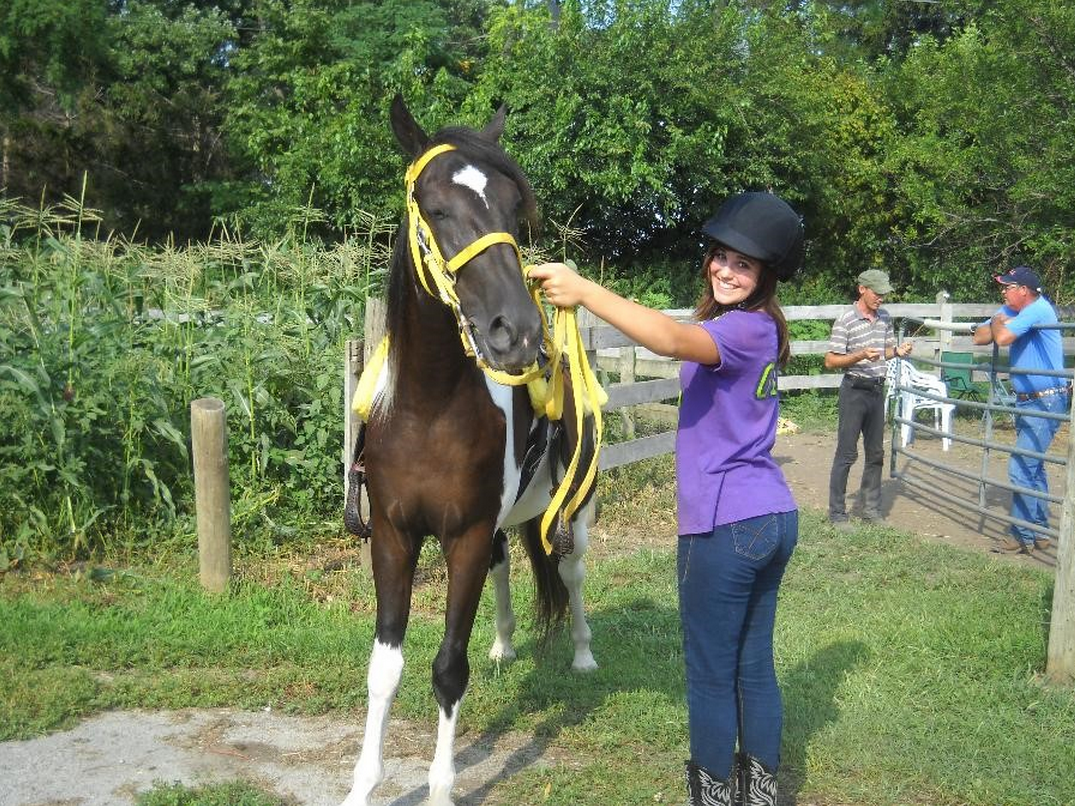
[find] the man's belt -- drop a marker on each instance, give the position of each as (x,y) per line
(1052,390)
(864,382)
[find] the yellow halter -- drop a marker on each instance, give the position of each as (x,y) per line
(431,266)
(563,342)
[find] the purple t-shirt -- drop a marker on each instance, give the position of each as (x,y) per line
(727,426)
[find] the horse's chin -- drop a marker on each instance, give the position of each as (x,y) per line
(512,368)
(513,362)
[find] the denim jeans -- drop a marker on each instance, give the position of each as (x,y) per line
(1033,434)
(728,583)
(862,411)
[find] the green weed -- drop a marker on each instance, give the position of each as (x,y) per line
(896,656)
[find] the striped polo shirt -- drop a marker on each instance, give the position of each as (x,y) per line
(852,332)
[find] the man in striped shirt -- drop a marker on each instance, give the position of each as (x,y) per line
(862,340)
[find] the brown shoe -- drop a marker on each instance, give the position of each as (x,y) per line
(1010,545)
(1042,543)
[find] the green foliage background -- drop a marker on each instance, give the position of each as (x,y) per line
(933,140)
(196,196)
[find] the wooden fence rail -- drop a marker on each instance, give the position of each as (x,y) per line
(646,379)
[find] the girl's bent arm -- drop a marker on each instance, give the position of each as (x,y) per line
(652,329)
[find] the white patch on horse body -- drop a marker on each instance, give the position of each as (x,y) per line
(502,398)
(471,177)
(382,392)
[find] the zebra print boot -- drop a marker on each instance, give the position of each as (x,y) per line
(757,785)
(705,790)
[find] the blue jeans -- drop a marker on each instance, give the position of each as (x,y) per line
(728,583)
(1033,434)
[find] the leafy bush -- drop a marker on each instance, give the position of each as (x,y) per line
(105,345)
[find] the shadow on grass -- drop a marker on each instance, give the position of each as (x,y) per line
(637,649)
(809,705)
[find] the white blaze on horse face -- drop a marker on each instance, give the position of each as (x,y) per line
(471,177)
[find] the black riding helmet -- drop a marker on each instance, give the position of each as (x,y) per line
(761,226)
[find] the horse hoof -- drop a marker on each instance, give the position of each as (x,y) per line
(501,653)
(584,663)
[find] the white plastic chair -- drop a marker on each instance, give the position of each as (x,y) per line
(908,403)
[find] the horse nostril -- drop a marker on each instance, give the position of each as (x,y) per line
(502,333)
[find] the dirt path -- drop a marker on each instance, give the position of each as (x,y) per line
(920,505)
(109,758)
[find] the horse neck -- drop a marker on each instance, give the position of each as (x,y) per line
(430,356)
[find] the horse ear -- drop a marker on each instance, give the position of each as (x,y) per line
(495,127)
(407,131)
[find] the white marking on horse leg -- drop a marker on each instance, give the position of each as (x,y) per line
(471,177)
(502,650)
(382,681)
(573,573)
(442,770)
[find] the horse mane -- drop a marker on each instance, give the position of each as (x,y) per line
(402,280)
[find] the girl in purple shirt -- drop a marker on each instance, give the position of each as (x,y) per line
(738,523)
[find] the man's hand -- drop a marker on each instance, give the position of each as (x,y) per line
(870,354)
(903,350)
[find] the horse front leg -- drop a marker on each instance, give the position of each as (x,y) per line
(467,559)
(394,559)
(573,573)
(500,572)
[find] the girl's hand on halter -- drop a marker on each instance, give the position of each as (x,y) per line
(562,286)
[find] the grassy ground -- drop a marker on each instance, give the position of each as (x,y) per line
(909,670)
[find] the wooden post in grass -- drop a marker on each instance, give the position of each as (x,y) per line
(1060,665)
(212,498)
(372,333)
(354,361)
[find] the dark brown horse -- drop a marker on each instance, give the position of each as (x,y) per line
(451,440)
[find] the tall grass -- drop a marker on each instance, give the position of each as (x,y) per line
(909,669)
(104,343)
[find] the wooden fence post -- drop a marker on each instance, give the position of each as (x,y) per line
(944,335)
(212,498)
(627,375)
(1060,662)
(373,331)
(354,361)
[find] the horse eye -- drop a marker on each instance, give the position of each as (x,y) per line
(438,214)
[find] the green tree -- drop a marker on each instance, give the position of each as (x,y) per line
(49,51)
(308,101)
(126,92)
(984,170)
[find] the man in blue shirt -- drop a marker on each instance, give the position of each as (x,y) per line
(1016,325)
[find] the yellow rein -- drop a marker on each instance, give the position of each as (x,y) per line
(564,341)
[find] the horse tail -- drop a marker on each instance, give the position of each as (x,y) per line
(551,594)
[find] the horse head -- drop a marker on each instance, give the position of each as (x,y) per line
(468,197)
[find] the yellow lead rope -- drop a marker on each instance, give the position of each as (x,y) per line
(565,340)
(586,393)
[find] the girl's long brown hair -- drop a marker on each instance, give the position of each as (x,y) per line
(763,299)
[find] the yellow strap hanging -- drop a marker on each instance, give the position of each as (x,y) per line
(369,381)
(586,395)
(564,341)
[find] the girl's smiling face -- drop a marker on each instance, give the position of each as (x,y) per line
(732,275)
